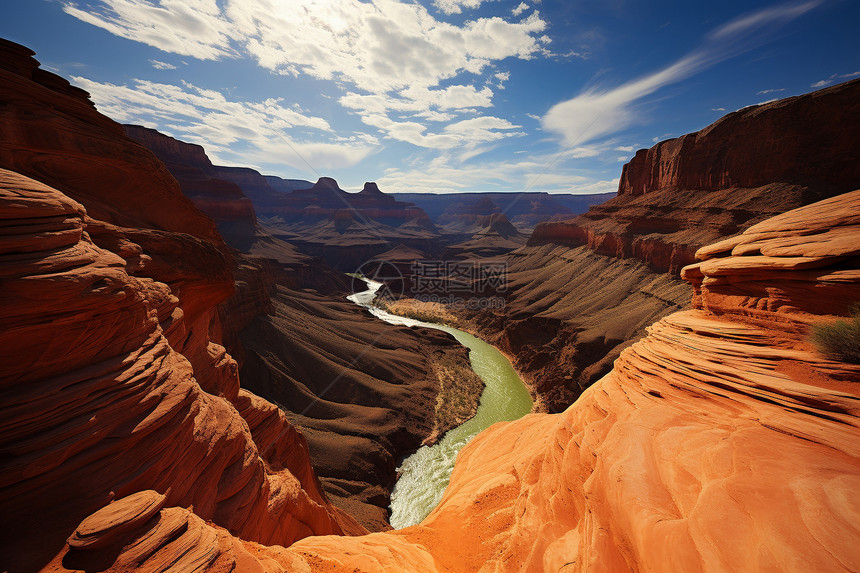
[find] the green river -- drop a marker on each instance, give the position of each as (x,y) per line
(425,474)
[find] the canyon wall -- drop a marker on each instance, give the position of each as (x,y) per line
(720,442)
(582,290)
(220,199)
(751,164)
(111,383)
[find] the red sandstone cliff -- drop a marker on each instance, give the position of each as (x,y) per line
(108,391)
(749,165)
(720,442)
(222,200)
(298,342)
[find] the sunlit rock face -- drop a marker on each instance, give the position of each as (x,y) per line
(720,442)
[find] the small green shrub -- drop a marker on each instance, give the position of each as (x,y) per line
(840,339)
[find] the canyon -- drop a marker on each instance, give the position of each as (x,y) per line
(185,386)
(721,414)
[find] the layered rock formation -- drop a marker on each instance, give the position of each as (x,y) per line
(721,441)
(111,384)
(221,200)
(584,289)
(348,229)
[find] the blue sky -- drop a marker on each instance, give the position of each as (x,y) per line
(436,95)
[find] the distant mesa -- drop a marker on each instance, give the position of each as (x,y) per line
(320,218)
(371,188)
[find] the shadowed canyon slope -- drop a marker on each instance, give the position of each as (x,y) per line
(721,441)
(582,290)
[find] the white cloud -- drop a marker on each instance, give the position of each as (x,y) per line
(189,27)
(381,46)
(520,9)
(772,91)
(233,132)
(833,78)
(456,6)
(599,112)
(377,46)
(718,109)
(161,65)
(627,148)
(391,56)
(580,152)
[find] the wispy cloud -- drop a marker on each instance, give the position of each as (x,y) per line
(834,78)
(718,109)
(161,65)
(233,132)
(772,91)
(520,9)
(598,112)
(391,58)
(193,28)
